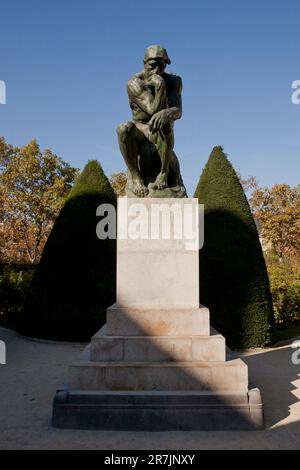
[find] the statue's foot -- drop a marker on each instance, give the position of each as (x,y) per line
(138,188)
(161,181)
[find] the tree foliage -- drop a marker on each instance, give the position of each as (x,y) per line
(33,186)
(249,184)
(118,182)
(75,281)
(278,211)
(285,287)
(233,278)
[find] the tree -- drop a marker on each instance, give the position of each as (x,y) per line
(118,182)
(278,212)
(75,281)
(249,184)
(7,151)
(33,186)
(233,278)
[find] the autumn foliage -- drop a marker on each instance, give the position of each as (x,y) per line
(33,186)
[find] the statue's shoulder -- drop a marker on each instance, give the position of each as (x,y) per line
(135,83)
(174,80)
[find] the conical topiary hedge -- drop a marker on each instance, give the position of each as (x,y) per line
(233,277)
(75,280)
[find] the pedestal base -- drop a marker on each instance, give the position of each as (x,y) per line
(158,411)
(157,365)
(157,391)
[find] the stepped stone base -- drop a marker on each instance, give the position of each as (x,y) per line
(157,348)
(157,322)
(158,411)
(157,391)
(156,365)
(179,376)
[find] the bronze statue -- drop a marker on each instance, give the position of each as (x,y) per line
(147,142)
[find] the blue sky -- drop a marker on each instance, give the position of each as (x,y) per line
(66,64)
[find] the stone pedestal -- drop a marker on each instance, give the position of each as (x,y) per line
(156,365)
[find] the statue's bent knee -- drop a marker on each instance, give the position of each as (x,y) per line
(124,130)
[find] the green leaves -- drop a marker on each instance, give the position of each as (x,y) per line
(76,278)
(278,211)
(233,277)
(33,186)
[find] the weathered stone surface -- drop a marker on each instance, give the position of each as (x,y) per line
(157,348)
(152,322)
(160,271)
(208,376)
(159,284)
(158,411)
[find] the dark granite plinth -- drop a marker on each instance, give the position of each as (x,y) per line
(158,411)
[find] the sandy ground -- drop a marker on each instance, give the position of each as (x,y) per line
(35,369)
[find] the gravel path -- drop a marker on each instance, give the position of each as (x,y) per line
(35,369)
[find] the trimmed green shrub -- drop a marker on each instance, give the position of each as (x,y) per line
(285,288)
(75,279)
(14,284)
(233,277)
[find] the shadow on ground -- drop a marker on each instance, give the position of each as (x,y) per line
(279,380)
(34,370)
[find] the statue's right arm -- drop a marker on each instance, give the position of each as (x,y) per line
(140,95)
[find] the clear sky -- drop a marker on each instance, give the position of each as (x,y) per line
(66,64)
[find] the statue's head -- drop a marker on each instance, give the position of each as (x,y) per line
(156,60)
